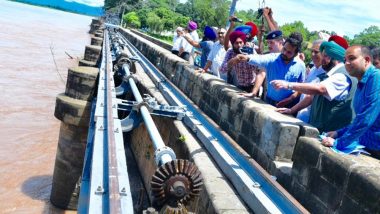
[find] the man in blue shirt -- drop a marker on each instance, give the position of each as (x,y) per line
(365,128)
(284,66)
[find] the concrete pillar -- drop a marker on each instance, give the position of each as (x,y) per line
(73,109)
(91,56)
(95,25)
(96,41)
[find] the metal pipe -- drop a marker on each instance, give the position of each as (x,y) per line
(232,11)
(155,136)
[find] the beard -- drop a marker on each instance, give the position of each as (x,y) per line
(327,67)
(236,50)
(285,58)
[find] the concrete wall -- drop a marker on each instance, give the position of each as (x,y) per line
(324,181)
(320,180)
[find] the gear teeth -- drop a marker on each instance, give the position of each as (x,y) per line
(166,175)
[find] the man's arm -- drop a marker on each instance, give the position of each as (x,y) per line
(304,88)
(268,15)
(207,66)
(191,41)
(308,99)
(288,100)
(226,43)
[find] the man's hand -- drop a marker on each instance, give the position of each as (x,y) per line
(328,141)
(242,58)
(248,95)
(284,110)
(284,102)
(279,84)
(267,11)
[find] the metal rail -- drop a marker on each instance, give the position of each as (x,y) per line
(255,187)
(105,184)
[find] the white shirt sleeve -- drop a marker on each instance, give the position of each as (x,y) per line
(337,86)
(213,51)
(262,60)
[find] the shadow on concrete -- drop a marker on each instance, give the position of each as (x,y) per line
(39,188)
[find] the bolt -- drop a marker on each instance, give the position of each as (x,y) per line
(178,189)
(123,192)
(256,185)
(99,190)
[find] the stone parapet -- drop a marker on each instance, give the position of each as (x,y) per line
(327,182)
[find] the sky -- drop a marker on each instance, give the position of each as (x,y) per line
(94,3)
(345,17)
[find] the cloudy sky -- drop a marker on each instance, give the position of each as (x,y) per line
(94,3)
(345,17)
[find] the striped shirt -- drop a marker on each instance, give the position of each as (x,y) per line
(365,128)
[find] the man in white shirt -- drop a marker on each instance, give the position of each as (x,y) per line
(177,40)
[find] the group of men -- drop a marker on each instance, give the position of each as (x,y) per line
(340,95)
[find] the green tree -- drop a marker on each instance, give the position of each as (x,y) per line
(368,37)
(132,20)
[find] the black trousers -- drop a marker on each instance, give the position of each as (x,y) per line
(185,55)
(175,52)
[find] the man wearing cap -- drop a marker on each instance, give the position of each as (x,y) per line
(333,92)
(216,56)
(365,128)
(284,65)
(242,74)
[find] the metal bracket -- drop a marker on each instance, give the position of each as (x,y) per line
(132,121)
(161,152)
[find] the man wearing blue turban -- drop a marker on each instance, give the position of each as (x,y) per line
(333,91)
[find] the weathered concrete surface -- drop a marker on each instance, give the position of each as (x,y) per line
(33,66)
(326,182)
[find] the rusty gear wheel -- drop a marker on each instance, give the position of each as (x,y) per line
(176,183)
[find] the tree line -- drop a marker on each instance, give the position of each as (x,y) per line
(165,15)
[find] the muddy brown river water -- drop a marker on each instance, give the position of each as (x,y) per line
(35,45)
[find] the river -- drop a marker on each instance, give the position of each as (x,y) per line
(37,45)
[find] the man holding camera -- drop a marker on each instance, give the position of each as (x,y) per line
(285,66)
(240,74)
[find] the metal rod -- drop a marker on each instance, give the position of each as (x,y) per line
(155,136)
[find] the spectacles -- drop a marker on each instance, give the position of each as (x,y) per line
(221,33)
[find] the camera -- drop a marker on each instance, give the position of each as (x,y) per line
(260,12)
(246,50)
(235,19)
